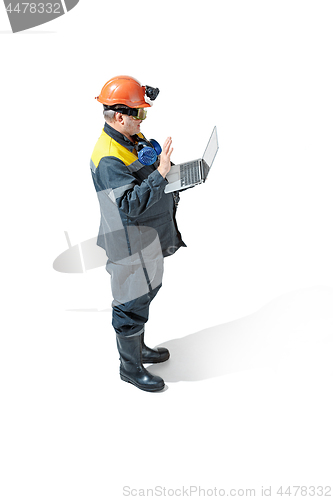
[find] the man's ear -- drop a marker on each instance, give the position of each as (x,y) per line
(119,118)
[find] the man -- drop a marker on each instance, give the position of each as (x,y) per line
(138,227)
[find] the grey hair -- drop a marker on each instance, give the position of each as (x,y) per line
(108,115)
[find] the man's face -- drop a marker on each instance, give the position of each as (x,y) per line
(131,125)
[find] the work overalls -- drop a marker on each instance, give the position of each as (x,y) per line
(137,229)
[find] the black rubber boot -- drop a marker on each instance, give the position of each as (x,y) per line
(152,355)
(131,369)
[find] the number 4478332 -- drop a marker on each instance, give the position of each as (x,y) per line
(33,8)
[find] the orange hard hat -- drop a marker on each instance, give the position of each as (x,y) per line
(123,90)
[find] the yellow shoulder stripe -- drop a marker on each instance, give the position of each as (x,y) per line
(106,146)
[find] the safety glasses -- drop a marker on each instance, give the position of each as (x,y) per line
(141,114)
(136,113)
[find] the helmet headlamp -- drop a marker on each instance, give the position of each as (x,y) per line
(151,93)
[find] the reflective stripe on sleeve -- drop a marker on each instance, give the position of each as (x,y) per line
(118,192)
(92,166)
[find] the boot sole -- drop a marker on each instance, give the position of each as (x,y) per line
(142,387)
(146,361)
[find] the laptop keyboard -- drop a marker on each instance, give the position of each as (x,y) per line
(189,173)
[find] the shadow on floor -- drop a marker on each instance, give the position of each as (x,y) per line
(288,324)
(282,329)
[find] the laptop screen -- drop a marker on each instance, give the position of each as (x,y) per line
(211,149)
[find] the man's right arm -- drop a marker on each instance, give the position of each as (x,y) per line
(134,198)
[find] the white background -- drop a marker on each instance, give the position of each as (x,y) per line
(246,310)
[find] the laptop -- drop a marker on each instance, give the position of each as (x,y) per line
(186,175)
